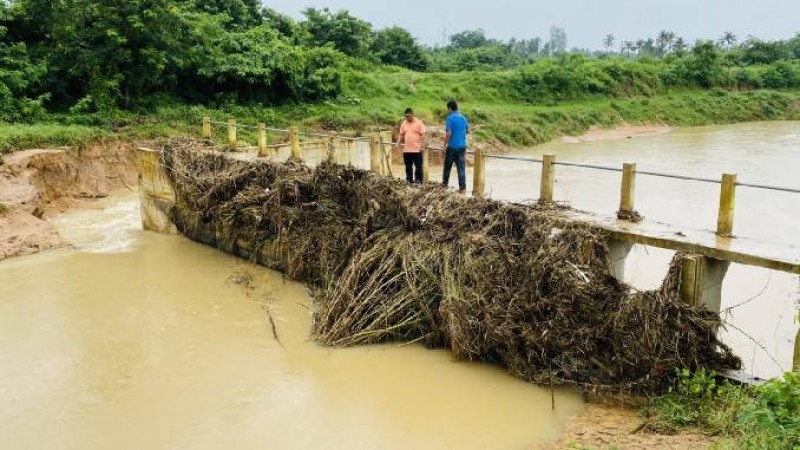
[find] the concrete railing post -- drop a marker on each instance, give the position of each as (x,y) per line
(727,203)
(628,189)
(548,179)
(375,162)
(232,133)
(206,127)
(479,174)
(262,139)
(294,142)
(331,149)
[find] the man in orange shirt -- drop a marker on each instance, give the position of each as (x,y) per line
(412,134)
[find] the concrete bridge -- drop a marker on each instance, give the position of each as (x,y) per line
(711,252)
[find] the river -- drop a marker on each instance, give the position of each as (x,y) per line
(135,340)
(139,341)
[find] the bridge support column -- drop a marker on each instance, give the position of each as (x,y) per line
(701,281)
(618,253)
(156,196)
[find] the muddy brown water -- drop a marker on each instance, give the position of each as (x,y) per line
(135,340)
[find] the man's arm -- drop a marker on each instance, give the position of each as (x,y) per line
(402,135)
(448,132)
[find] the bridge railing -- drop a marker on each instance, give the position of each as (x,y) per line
(378,161)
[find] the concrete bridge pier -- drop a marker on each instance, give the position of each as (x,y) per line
(156,196)
(701,281)
(618,253)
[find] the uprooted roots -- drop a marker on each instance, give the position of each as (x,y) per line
(510,284)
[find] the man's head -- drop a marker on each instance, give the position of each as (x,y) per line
(452,106)
(409,114)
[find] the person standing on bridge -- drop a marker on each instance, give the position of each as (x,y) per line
(455,144)
(412,135)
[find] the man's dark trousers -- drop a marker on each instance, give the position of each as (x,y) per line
(455,155)
(413,161)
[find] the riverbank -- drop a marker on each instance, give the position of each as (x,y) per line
(36,185)
(495,120)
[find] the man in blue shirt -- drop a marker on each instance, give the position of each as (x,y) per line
(455,143)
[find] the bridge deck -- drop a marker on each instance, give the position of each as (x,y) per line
(751,252)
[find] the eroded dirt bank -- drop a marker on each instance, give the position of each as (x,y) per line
(37,184)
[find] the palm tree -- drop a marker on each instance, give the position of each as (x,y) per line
(608,42)
(664,42)
(728,40)
(627,47)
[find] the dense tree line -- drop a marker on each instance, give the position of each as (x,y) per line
(89,55)
(100,55)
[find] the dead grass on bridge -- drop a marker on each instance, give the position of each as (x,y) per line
(509,284)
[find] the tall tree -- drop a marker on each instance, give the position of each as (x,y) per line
(348,34)
(558,40)
(679,46)
(609,41)
(469,39)
(111,52)
(243,13)
(727,40)
(664,42)
(628,47)
(396,46)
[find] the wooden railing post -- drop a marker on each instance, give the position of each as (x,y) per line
(375,163)
(548,178)
(727,201)
(628,189)
(232,133)
(479,173)
(262,139)
(294,142)
(426,164)
(206,127)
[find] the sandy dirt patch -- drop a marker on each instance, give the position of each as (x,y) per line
(604,427)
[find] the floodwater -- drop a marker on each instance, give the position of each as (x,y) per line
(139,341)
(135,340)
(761,324)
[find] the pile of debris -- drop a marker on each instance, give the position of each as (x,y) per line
(510,284)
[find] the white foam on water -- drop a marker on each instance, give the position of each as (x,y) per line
(112,228)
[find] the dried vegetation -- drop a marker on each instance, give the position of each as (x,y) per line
(510,284)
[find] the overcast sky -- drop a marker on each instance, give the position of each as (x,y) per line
(586,21)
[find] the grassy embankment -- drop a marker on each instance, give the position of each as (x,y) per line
(762,417)
(496,105)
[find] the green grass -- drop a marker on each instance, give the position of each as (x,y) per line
(741,417)
(377,99)
(4,208)
(17,136)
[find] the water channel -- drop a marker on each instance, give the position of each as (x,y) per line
(139,341)
(136,340)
